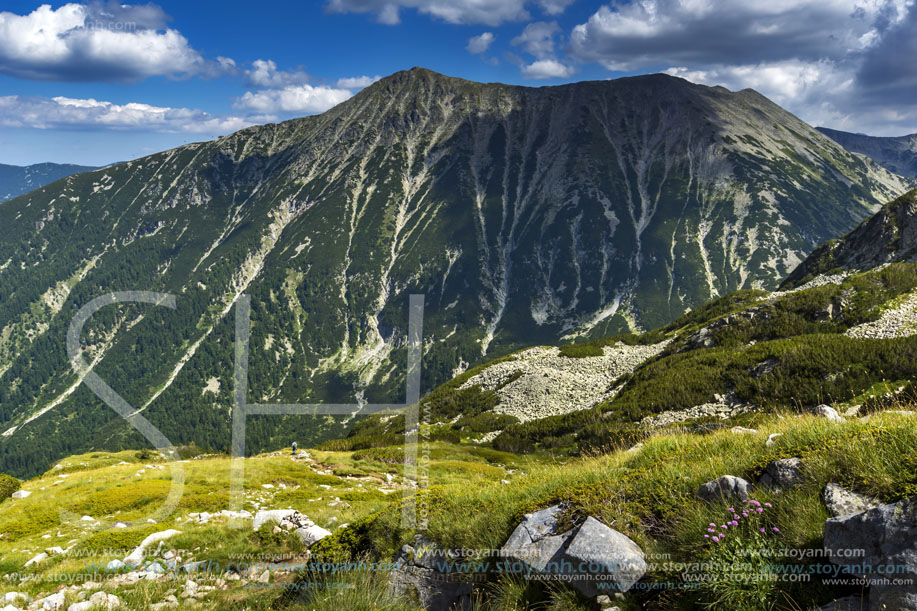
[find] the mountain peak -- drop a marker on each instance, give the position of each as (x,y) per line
(524,215)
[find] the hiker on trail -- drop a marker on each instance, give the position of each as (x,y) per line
(294,448)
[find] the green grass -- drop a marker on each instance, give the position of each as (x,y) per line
(649,493)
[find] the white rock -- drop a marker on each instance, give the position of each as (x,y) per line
(828,412)
(235,514)
(55,550)
(772,438)
(551,384)
(37,559)
(136,556)
(312,534)
(55,601)
(21,494)
(105,600)
(270,515)
(741,430)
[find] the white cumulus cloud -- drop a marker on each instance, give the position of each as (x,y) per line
(846,64)
(357,82)
(554,7)
(546,68)
(292,99)
(480,43)
(264,73)
(538,39)
(63,112)
(96,42)
(644,33)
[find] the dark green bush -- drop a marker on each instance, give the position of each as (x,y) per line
(8,485)
(486,422)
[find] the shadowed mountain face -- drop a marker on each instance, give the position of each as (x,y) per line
(523,215)
(897,154)
(890,236)
(16,180)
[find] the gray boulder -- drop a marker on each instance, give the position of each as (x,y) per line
(724,488)
(535,542)
(271,515)
(880,544)
(584,556)
(606,554)
(782,474)
(312,534)
(827,412)
(424,572)
(842,502)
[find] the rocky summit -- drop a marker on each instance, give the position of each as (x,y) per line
(523,215)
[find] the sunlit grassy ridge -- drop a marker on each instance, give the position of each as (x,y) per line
(647,493)
(332,488)
(776,351)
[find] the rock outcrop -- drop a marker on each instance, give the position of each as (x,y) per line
(539,382)
(724,488)
(879,544)
(842,502)
(585,556)
(423,572)
(782,474)
(888,236)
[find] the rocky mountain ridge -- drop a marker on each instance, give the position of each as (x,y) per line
(525,216)
(896,154)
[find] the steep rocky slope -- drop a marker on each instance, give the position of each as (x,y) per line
(888,236)
(896,154)
(848,339)
(523,215)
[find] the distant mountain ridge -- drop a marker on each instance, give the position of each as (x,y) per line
(16,180)
(524,215)
(896,154)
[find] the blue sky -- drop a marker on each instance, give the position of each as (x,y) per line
(102,82)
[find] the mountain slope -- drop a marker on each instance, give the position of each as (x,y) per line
(16,180)
(523,215)
(888,236)
(832,340)
(896,154)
